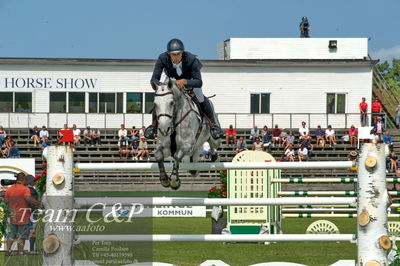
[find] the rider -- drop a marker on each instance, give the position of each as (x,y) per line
(185,68)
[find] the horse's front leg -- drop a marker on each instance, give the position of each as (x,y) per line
(178,156)
(159,155)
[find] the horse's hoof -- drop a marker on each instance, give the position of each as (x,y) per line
(193,173)
(175,182)
(214,157)
(165,182)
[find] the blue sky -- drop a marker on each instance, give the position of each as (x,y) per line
(140,29)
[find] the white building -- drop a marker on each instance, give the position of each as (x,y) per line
(262,81)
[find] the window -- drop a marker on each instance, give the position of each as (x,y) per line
(107,102)
(134,102)
(336,103)
(260,103)
(120,103)
(76,102)
(148,102)
(93,102)
(58,102)
(23,102)
(6,102)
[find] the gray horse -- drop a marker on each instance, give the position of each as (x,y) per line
(181,131)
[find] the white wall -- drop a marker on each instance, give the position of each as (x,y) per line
(294,88)
(295,48)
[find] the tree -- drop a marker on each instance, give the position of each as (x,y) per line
(391,73)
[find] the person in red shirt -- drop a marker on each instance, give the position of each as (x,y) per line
(18,197)
(363,112)
(376,107)
(230,135)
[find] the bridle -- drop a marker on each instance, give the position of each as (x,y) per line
(170,116)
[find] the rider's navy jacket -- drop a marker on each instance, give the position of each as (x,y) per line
(190,69)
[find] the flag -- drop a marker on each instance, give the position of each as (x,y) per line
(67,136)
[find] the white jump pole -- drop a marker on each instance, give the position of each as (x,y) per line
(218,238)
(81,202)
(59,198)
(373,242)
(214,166)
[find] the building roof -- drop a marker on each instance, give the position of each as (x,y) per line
(209,63)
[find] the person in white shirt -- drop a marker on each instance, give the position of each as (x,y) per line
(330,136)
(289,153)
(302,153)
(206,150)
(77,136)
(123,133)
(304,132)
(44,133)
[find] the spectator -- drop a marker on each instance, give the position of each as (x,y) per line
(14,152)
(290,139)
(379,127)
(134,134)
(135,149)
(96,137)
(9,143)
(230,135)
(123,133)
(143,149)
(392,167)
(363,112)
(241,145)
(30,180)
(304,28)
(307,144)
(330,136)
(77,136)
(34,135)
(376,107)
(289,153)
(398,116)
(283,137)
(18,197)
(276,136)
(266,139)
(44,142)
(304,132)
(254,134)
(3,135)
(353,134)
(374,137)
(387,139)
(44,133)
(88,136)
(206,150)
(141,131)
(123,148)
(302,153)
(320,136)
(257,146)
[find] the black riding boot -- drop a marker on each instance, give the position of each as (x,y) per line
(151,131)
(208,110)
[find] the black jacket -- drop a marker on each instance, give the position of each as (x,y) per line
(190,69)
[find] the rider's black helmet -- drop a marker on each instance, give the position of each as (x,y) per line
(175,46)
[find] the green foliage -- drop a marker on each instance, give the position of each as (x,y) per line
(221,190)
(5,212)
(391,73)
(41,179)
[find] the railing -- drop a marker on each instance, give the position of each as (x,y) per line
(238,120)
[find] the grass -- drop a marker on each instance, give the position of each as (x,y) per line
(193,253)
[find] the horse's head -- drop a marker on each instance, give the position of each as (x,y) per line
(164,104)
